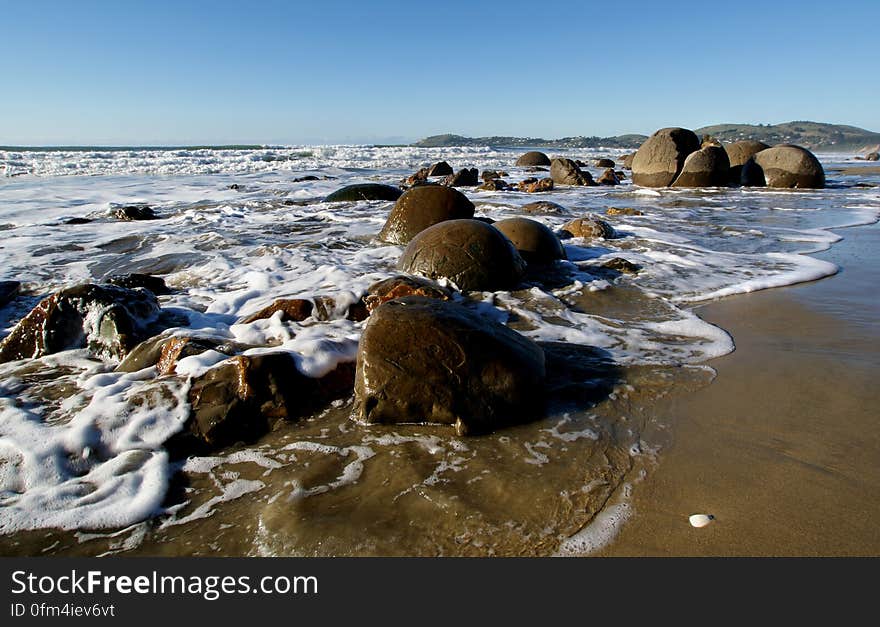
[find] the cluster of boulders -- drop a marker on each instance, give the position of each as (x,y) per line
(676,157)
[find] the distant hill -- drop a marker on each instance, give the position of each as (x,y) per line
(619,141)
(813,135)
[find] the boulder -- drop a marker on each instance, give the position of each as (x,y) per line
(533,185)
(147,281)
(165,351)
(784,166)
(8,291)
(603,163)
(106,319)
(608,177)
(533,158)
(421,207)
(488,175)
(419,178)
(471,254)
(623,211)
(422,360)
(295,309)
(619,264)
(533,241)
(544,206)
(588,227)
(493,185)
(245,396)
(400,286)
(364,191)
(466,177)
(872,156)
(660,159)
(740,152)
(628,161)
(130,213)
(441,168)
(566,172)
(706,167)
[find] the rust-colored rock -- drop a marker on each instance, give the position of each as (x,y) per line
(533,185)
(295,309)
(400,286)
(608,177)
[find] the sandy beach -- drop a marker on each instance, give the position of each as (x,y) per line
(783,448)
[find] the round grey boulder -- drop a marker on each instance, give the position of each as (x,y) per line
(566,172)
(421,207)
(422,360)
(740,152)
(784,166)
(471,254)
(364,191)
(661,158)
(533,241)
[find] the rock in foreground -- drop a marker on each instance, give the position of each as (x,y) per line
(532,240)
(106,319)
(422,360)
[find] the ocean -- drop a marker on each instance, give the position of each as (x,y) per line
(83,469)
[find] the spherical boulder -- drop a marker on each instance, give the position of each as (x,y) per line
(706,167)
(784,166)
(533,157)
(740,152)
(533,241)
(604,163)
(422,360)
(471,254)
(660,159)
(588,227)
(566,172)
(421,207)
(364,191)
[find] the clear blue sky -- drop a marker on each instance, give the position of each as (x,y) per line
(160,72)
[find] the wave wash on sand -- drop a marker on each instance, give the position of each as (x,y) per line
(83,446)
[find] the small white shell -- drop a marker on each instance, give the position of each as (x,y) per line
(700,520)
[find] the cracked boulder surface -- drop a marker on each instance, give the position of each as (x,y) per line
(422,360)
(470,253)
(107,319)
(422,207)
(400,286)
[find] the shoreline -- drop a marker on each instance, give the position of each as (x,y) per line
(783,447)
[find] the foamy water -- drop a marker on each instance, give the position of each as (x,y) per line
(81,445)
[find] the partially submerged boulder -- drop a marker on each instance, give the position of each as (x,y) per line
(166,350)
(493,185)
(661,158)
(544,206)
(245,396)
(533,241)
(706,167)
(738,153)
(534,185)
(441,168)
(533,158)
(471,254)
(608,177)
(106,319)
(588,227)
(566,172)
(294,309)
(147,281)
(364,191)
(130,213)
(784,166)
(421,207)
(466,177)
(623,211)
(422,360)
(400,286)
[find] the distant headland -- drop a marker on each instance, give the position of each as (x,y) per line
(812,135)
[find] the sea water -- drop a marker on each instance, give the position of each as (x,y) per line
(82,463)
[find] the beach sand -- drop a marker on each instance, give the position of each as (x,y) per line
(783,448)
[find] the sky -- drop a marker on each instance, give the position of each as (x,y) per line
(325,71)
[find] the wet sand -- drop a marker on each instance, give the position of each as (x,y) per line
(783,448)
